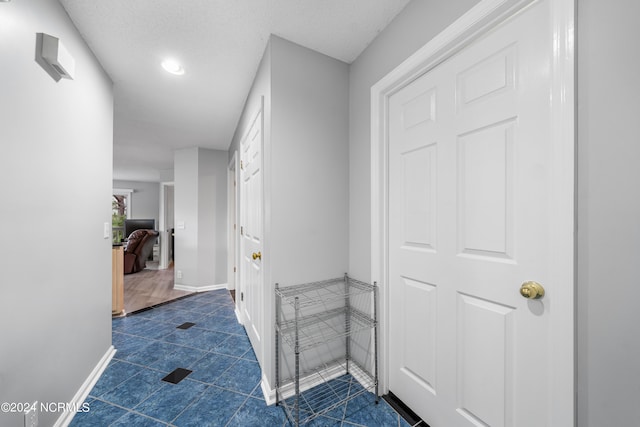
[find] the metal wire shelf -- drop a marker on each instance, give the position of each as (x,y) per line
(316,314)
(329,395)
(323,327)
(323,292)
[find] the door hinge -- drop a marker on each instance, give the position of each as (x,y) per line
(241,296)
(234,269)
(241,165)
(241,231)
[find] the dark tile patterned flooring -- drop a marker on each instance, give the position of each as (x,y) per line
(223,388)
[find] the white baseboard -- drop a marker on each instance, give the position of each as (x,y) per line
(268,392)
(199,288)
(65,419)
(238,316)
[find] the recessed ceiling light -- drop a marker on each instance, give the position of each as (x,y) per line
(172,66)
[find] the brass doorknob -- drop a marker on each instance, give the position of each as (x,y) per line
(257,255)
(532,290)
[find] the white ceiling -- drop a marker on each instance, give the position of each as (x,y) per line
(220,44)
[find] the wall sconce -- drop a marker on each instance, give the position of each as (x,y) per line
(54,57)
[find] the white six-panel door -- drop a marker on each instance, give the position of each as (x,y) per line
(469,178)
(251,237)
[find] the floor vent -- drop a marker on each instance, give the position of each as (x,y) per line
(177,375)
(186,325)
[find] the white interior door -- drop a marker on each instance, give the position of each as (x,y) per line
(469,179)
(251,234)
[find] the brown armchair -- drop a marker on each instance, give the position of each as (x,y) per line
(137,250)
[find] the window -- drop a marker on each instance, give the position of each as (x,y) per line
(120,210)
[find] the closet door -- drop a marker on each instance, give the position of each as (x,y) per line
(251,234)
(470,229)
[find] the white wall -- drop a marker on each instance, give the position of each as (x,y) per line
(145,200)
(412,28)
(200,197)
(56,169)
(608,213)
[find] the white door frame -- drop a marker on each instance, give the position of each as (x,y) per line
(162,226)
(477,21)
(233,210)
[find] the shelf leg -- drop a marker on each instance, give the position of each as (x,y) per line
(278,306)
(347,321)
(297,351)
(375,336)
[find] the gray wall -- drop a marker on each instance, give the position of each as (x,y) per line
(145,200)
(186,215)
(608,208)
(200,203)
(305,169)
(608,213)
(308,170)
(212,212)
(260,89)
(56,169)
(418,23)
(306,161)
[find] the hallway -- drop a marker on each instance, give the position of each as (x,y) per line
(198,333)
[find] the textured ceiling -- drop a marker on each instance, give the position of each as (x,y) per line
(220,44)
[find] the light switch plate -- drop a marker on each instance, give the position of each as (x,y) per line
(106,230)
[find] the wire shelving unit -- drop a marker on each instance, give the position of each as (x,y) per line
(326,346)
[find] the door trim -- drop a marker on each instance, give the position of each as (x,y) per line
(477,21)
(163,225)
(232,220)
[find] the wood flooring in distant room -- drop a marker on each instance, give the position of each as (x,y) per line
(149,287)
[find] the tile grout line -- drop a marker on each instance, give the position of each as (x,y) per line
(236,412)
(193,402)
(128,410)
(131,332)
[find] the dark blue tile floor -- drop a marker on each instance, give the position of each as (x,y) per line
(223,388)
